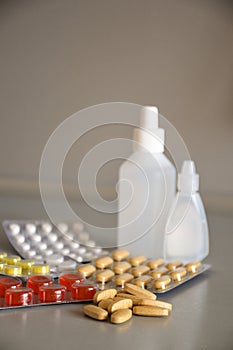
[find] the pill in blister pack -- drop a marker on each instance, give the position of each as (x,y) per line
(43,290)
(43,241)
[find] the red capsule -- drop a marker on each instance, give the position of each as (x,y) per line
(8,282)
(18,296)
(81,291)
(52,293)
(70,278)
(35,282)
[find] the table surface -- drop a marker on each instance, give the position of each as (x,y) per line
(201,317)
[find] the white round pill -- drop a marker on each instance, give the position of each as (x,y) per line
(97,250)
(48,252)
(59,245)
(30,228)
(52,237)
(79,259)
(83,236)
(47,227)
(65,251)
(31,253)
(62,227)
(67,265)
(14,229)
(81,250)
(74,245)
(73,256)
(78,227)
(38,257)
(19,239)
(55,259)
(36,238)
(42,246)
(25,246)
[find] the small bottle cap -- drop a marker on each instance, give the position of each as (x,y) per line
(188,179)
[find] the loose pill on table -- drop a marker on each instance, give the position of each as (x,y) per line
(68,279)
(81,291)
(150,311)
(162,282)
(140,270)
(178,274)
(18,296)
(121,254)
(35,282)
(137,260)
(95,312)
(86,270)
(142,281)
(129,296)
(174,264)
(105,303)
(104,294)
(104,276)
(120,304)
(193,267)
(121,267)
(154,264)
(139,292)
(121,316)
(120,280)
(159,272)
(52,293)
(8,282)
(102,263)
(157,303)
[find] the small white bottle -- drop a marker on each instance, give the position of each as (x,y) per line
(146,189)
(186,236)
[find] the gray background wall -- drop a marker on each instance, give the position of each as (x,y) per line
(59,56)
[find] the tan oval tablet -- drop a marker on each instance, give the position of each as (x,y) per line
(159,272)
(139,292)
(95,312)
(104,276)
(103,262)
(121,254)
(129,296)
(174,265)
(120,280)
(154,264)
(105,303)
(150,311)
(137,260)
(86,270)
(104,294)
(178,274)
(120,304)
(140,270)
(142,281)
(162,282)
(121,267)
(157,303)
(121,316)
(193,267)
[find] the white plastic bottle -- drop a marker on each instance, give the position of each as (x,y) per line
(146,189)
(187,236)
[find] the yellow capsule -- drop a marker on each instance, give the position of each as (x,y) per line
(142,281)
(162,282)
(137,260)
(104,276)
(154,264)
(178,274)
(2,267)
(3,255)
(174,265)
(140,270)
(159,272)
(120,280)
(121,267)
(121,254)
(26,264)
(193,267)
(102,263)
(86,270)
(40,269)
(12,270)
(11,259)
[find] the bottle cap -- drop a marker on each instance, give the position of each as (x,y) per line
(188,179)
(149,136)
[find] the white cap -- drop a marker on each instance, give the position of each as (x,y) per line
(188,179)
(149,136)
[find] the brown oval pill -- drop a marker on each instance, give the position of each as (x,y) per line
(102,263)
(162,282)
(120,304)
(157,303)
(159,272)
(154,264)
(174,264)
(139,292)
(104,294)
(178,274)
(105,303)
(121,267)
(140,270)
(193,267)
(95,312)
(104,276)
(137,260)
(120,280)
(129,296)
(121,316)
(149,311)
(86,270)
(142,281)
(121,254)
